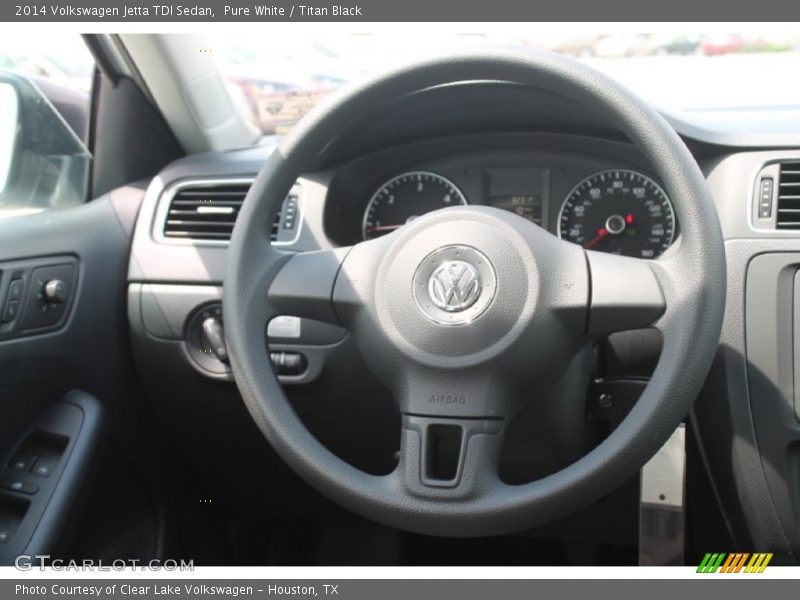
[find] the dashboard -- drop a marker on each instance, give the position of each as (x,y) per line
(559,169)
(597,192)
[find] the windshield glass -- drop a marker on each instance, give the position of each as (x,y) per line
(276,79)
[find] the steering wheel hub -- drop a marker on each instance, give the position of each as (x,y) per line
(454,285)
(461,303)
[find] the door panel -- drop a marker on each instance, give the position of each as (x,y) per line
(66,377)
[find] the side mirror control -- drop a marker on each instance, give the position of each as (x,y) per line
(36,295)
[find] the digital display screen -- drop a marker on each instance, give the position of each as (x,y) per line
(520,190)
(528,207)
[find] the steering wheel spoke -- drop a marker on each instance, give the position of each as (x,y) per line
(626,293)
(449,458)
(304,285)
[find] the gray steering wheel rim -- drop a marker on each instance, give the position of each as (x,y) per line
(696,269)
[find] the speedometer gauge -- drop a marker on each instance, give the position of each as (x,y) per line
(406,197)
(618,211)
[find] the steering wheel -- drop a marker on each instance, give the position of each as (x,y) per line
(467,313)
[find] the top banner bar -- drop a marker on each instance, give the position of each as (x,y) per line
(111,11)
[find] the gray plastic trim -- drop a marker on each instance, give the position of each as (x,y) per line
(160,313)
(733,180)
(202,263)
(165,200)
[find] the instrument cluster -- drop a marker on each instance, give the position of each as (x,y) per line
(599,203)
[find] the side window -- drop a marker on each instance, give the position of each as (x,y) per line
(44,114)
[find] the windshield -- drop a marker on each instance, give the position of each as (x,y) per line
(277,79)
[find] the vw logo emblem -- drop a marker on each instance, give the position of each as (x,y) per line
(454,286)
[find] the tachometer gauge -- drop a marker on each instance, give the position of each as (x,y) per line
(618,211)
(406,197)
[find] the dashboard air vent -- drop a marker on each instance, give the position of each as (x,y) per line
(789,196)
(204,212)
(208,211)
